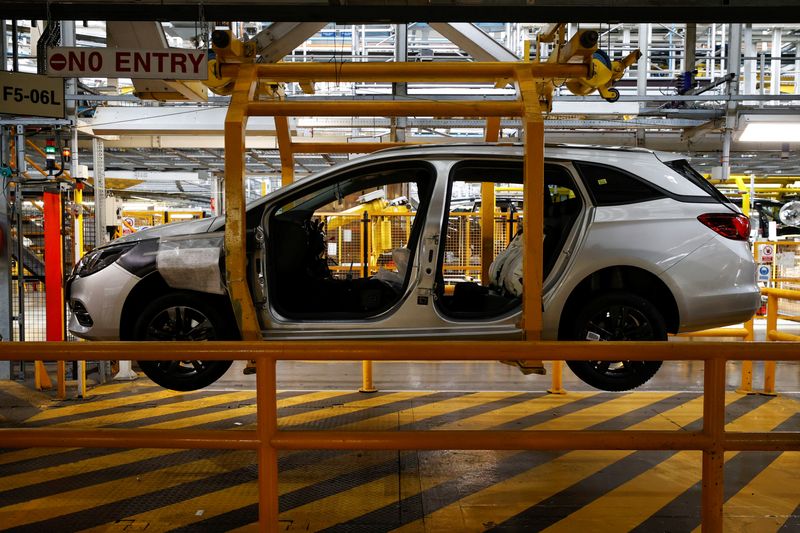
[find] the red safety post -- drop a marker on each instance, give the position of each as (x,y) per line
(53,277)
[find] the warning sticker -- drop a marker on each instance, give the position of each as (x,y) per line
(766,253)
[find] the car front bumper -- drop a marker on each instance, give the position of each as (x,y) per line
(96,302)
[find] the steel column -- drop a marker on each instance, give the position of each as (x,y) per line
(99,171)
(217,196)
(6,280)
(690,46)
(775,63)
(3,45)
(642,70)
(734,66)
(53,281)
(54,266)
(400,88)
(14,46)
(749,64)
(21,169)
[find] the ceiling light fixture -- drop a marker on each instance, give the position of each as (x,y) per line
(769,128)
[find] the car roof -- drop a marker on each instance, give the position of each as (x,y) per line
(635,160)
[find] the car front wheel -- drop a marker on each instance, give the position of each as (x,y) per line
(617,316)
(183,316)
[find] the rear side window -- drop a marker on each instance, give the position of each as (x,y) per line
(611,186)
(682,167)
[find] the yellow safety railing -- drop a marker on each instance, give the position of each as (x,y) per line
(534,83)
(746,334)
(713,440)
(773,295)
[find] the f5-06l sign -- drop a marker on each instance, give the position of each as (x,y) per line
(165,63)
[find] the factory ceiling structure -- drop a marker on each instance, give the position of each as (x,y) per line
(404,11)
(143,138)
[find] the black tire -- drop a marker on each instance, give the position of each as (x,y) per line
(183,316)
(617,316)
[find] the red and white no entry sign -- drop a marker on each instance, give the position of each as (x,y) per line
(165,63)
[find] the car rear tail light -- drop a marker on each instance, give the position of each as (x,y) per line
(731,226)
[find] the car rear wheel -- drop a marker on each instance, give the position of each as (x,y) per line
(183,316)
(617,316)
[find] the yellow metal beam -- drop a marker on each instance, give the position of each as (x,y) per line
(358,350)
(410,72)
(492,134)
(579,48)
(235,239)
(472,108)
(193,91)
(285,150)
(533,189)
(345,148)
(550,31)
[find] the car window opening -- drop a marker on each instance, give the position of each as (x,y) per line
(343,250)
(460,291)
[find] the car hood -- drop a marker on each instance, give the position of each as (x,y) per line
(190,227)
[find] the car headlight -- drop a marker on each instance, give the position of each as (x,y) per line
(97,260)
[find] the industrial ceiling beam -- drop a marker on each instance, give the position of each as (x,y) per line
(474,41)
(402,11)
(280,38)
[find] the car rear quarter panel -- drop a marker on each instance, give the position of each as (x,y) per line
(717,284)
(653,236)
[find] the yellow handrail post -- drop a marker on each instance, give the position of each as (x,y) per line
(366,377)
(772,325)
(713,457)
(267,416)
(557,385)
(77,243)
(61,380)
(746,386)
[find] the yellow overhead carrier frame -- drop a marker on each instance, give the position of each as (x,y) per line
(252,89)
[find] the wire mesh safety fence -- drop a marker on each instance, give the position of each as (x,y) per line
(463,243)
(346,235)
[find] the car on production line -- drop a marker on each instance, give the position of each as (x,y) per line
(637,245)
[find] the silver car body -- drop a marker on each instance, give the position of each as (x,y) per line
(711,278)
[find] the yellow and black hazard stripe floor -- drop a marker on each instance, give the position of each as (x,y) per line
(73,489)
